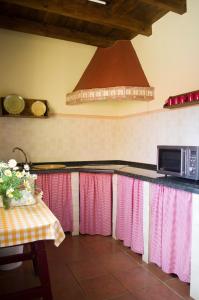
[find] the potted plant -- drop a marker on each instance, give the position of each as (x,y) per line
(16,186)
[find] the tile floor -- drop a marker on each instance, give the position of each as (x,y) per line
(98,268)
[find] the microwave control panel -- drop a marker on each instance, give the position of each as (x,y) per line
(192,163)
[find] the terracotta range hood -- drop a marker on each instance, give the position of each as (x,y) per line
(113,73)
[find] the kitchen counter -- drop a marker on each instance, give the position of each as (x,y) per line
(153,177)
(98,168)
(144,172)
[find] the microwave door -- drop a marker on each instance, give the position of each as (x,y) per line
(171,161)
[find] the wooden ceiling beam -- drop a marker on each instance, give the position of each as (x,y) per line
(92,13)
(23,25)
(115,5)
(176,6)
(123,6)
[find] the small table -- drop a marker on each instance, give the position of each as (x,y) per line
(30,224)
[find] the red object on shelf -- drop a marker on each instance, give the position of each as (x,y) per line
(186,99)
(196,96)
(182,99)
(190,97)
(169,101)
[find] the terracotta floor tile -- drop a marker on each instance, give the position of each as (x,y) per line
(71,250)
(102,287)
(155,292)
(158,272)
(125,297)
(179,287)
(104,250)
(93,239)
(101,246)
(136,278)
(87,269)
(67,291)
(97,268)
(64,284)
(60,273)
(136,256)
(118,261)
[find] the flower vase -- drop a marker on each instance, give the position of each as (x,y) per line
(6,201)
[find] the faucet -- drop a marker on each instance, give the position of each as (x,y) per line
(25,156)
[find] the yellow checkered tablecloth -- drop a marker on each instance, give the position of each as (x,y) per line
(24,224)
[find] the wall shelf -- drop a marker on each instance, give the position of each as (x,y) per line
(182,100)
(27,111)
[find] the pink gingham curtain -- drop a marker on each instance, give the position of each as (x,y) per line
(95,203)
(170,230)
(57,195)
(129,219)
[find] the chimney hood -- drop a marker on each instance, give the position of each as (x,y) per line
(113,73)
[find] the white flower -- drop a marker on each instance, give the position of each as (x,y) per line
(9,192)
(12,163)
(19,174)
(28,174)
(26,167)
(3,165)
(27,185)
(34,176)
(16,168)
(23,173)
(8,173)
(9,195)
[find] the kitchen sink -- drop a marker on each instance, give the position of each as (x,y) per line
(49,166)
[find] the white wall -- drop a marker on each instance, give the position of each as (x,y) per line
(170,60)
(140,135)
(41,68)
(169,56)
(59,139)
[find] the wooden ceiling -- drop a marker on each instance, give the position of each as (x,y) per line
(87,22)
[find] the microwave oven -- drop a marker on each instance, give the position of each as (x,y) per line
(180,161)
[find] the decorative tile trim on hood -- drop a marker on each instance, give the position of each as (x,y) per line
(113,73)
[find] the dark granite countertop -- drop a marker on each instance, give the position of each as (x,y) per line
(153,177)
(109,168)
(141,171)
